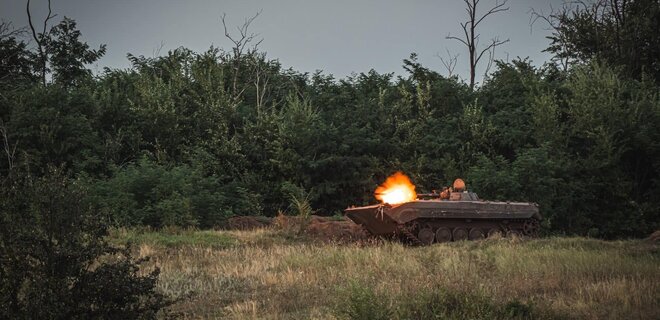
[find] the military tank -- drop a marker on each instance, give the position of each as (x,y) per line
(454,214)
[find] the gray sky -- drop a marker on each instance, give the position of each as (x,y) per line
(336,36)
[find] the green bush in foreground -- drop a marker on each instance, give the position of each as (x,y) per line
(363,303)
(55,262)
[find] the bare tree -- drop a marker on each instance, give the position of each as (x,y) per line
(450,63)
(471,40)
(39,39)
(243,45)
(491,59)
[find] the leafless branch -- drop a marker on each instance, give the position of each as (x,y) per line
(499,7)
(471,40)
(156,51)
(491,59)
(244,37)
(552,20)
(241,41)
(450,63)
(494,43)
(38,38)
(8,31)
(456,38)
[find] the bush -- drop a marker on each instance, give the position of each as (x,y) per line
(362,302)
(452,304)
(55,262)
(155,195)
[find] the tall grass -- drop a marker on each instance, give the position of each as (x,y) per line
(268,274)
(172,237)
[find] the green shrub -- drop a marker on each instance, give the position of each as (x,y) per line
(361,302)
(55,262)
(450,304)
(155,195)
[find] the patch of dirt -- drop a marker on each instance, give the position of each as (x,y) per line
(654,237)
(247,222)
(332,230)
(318,227)
(322,228)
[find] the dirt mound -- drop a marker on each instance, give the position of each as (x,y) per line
(247,222)
(654,237)
(317,227)
(322,228)
(336,230)
(285,222)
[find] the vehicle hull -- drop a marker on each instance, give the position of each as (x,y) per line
(477,218)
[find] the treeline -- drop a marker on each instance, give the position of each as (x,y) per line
(192,138)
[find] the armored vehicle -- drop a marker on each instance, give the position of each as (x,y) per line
(451,215)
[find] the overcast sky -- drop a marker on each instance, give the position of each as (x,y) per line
(336,36)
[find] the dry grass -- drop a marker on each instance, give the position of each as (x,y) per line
(269,274)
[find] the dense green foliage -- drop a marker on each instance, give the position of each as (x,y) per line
(620,32)
(55,262)
(148,194)
(192,138)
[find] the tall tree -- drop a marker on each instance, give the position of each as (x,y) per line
(68,54)
(61,51)
(471,39)
(620,32)
(39,39)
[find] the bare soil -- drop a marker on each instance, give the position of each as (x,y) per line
(654,237)
(327,229)
(247,223)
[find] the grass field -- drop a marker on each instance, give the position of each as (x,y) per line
(271,274)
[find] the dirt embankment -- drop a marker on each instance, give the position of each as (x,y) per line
(335,230)
(247,223)
(322,228)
